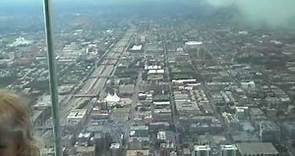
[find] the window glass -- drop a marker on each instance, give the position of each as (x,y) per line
(157,77)
(23,63)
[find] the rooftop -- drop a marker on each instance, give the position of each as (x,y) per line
(161,135)
(257,148)
(85,149)
(77,114)
(229,147)
(136,48)
(159,71)
(289,124)
(269,125)
(137,152)
(202,148)
(115,146)
(139,128)
(192,43)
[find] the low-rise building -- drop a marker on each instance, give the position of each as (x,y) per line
(269,131)
(76,119)
(201,150)
(228,150)
(257,149)
(137,153)
(85,150)
(288,129)
(126,90)
(162,115)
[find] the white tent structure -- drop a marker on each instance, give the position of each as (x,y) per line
(112,99)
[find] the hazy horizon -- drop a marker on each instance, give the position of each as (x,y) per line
(270,13)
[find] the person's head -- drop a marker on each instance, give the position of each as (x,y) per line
(15,127)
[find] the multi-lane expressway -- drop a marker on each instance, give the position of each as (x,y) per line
(102,72)
(94,84)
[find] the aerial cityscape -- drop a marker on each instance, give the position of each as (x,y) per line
(155,80)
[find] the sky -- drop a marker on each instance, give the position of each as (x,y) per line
(79,1)
(273,13)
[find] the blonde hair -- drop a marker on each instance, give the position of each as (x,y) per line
(15,123)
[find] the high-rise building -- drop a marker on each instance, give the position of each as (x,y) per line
(201,150)
(228,150)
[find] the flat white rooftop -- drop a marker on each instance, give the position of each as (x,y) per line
(136,48)
(229,147)
(77,114)
(202,148)
(193,43)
